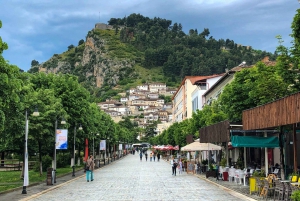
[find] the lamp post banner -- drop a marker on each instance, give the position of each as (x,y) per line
(120,147)
(61,139)
(26,177)
(102,145)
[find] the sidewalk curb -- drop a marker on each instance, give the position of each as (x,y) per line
(232,192)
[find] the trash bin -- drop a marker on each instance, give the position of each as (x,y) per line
(225,176)
(49,180)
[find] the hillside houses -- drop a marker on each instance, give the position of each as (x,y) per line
(142,101)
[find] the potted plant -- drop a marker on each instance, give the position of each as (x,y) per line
(223,162)
(212,172)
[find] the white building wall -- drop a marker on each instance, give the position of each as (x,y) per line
(198,93)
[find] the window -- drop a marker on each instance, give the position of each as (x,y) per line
(202,85)
(195,104)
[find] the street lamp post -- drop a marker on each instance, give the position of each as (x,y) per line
(94,145)
(54,157)
(108,150)
(73,165)
(25,165)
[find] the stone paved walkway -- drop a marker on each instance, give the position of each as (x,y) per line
(130,179)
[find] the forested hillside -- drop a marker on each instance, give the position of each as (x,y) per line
(195,53)
(137,49)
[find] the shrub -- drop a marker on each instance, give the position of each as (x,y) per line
(46,163)
(296,195)
(62,160)
(259,173)
(223,162)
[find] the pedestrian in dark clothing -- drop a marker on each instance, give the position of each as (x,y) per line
(141,156)
(154,155)
(158,156)
(146,156)
(174,166)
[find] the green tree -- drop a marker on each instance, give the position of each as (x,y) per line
(80,42)
(34,63)
(70,47)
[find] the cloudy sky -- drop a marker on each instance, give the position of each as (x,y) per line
(37,29)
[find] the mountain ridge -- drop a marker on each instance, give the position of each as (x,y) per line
(145,50)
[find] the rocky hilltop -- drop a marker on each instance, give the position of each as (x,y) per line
(90,60)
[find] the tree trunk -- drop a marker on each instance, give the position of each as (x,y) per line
(281,153)
(40,158)
(2,159)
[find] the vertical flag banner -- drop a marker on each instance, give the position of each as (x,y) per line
(86,152)
(120,147)
(61,139)
(26,177)
(102,145)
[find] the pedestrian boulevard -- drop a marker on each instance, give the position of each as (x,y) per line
(133,180)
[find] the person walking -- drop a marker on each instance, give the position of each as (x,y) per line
(154,155)
(90,165)
(180,167)
(141,156)
(146,155)
(158,156)
(174,166)
(151,156)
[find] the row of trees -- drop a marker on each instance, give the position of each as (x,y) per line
(56,96)
(251,87)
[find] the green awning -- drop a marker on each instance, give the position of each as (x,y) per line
(254,141)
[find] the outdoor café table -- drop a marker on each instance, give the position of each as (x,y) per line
(295,183)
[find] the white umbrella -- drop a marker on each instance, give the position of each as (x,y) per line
(197,146)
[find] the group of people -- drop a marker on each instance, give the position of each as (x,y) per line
(176,165)
(153,156)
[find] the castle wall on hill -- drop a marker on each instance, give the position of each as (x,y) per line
(103,26)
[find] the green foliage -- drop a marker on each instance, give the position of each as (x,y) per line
(259,173)
(204,162)
(296,195)
(46,163)
(223,162)
(81,42)
(70,47)
(34,63)
(62,160)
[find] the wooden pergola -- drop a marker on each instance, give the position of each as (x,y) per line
(218,133)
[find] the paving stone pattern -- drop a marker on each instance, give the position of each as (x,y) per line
(130,179)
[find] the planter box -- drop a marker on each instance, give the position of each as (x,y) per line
(211,173)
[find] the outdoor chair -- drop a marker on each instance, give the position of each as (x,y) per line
(279,190)
(236,176)
(267,189)
(276,171)
(294,178)
(220,171)
(231,173)
(258,185)
(241,176)
(287,191)
(297,183)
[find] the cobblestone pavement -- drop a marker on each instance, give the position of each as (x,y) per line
(130,179)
